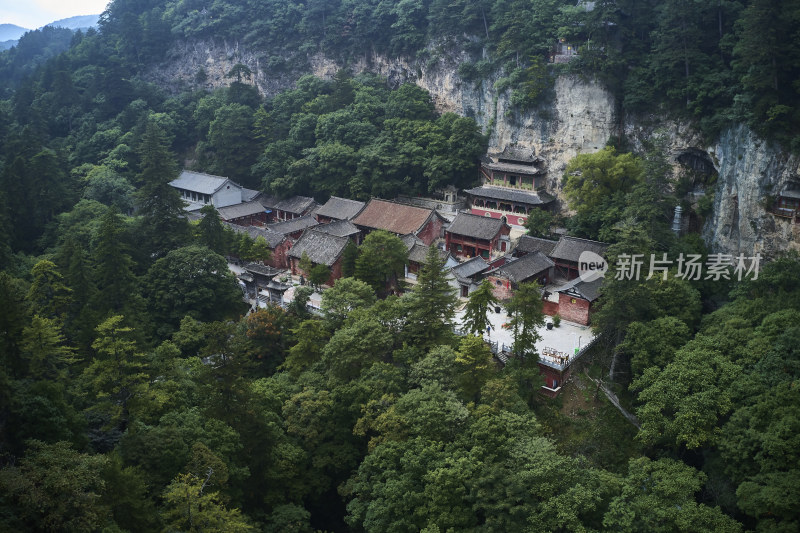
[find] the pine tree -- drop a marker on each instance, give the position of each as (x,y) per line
(211,231)
(113,266)
(432,304)
(48,294)
(81,316)
(164,227)
(117,374)
(525,308)
(480,301)
(13,318)
(46,350)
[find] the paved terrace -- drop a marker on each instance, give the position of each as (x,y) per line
(557,348)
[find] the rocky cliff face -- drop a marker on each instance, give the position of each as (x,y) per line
(580,118)
(751,174)
(214,59)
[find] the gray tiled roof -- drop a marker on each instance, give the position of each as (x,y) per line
(410,240)
(469,268)
(528,244)
(475,226)
(290,226)
(511,195)
(296,204)
(321,248)
(419,253)
(571,248)
(240,210)
(199,182)
(588,290)
(273,239)
(269,202)
(249,194)
(526,267)
(340,228)
(264,270)
(340,208)
(528,170)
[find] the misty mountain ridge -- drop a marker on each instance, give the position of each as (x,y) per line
(78,22)
(10,33)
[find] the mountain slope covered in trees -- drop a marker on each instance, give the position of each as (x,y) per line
(136,395)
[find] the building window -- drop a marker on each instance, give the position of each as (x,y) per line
(491,204)
(512,181)
(519,209)
(505,207)
(573,300)
(521,221)
(487,214)
(485,254)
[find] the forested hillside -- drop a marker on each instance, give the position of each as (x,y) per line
(138,394)
(714,61)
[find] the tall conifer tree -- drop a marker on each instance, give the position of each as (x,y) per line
(480,301)
(163,226)
(432,304)
(113,266)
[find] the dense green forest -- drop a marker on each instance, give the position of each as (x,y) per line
(135,395)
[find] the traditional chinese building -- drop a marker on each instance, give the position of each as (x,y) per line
(322,249)
(470,235)
(295,227)
(527,244)
(245,214)
(279,244)
(340,228)
(512,185)
(201,189)
(563,51)
(787,203)
(575,300)
(338,209)
(567,252)
(418,254)
(400,219)
(467,275)
(294,207)
(534,267)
